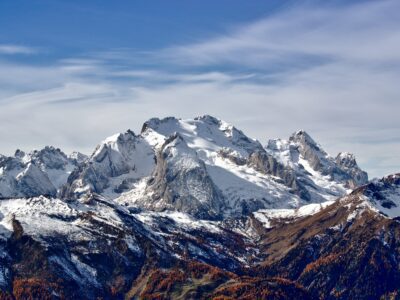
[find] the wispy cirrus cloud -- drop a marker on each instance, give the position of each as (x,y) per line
(365,32)
(10,49)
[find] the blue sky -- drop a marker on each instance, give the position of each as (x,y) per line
(73,27)
(74,72)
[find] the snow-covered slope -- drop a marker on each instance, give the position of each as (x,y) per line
(268,216)
(380,197)
(115,165)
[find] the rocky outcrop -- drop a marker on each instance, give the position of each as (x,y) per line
(310,151)
(267,164)
(347,163)
(181,182)
(32,181)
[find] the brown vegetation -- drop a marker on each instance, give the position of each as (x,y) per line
(35,288)
(247,288)
(322,261)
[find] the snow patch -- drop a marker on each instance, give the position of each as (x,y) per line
(265,216)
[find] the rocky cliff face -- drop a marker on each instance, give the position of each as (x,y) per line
(180,182)
(384,195)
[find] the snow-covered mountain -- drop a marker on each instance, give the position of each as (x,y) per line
(36,173)
(202,166)
(304,155)
(209,168)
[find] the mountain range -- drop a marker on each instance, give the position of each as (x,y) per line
(195,209)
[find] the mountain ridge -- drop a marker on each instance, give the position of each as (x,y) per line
(254,171)
(195,209)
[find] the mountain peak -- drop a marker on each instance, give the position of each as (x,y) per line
(19,153)
(393,178)
(346,159)
(303,152)
(301,136)
(119,137)
(155,123)
(300,132)
(209,119)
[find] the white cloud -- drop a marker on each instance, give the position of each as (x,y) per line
(9,49)
(366,32)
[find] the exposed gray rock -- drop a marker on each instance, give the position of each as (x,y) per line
(49,158)
(313,169)
(347,162)
(310,150)
(267,164)
(181,182)
(233,156)
(383,194)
